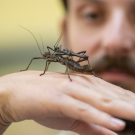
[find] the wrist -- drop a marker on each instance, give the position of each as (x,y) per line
(3,126)
(3,123)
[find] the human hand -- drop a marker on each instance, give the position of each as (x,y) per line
(85,105)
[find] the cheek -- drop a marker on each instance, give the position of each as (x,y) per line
(79,41)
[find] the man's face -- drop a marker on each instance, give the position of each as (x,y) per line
(106,30)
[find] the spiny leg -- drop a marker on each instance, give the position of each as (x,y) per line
(71,55)
(93,71)
(60,47)
(31,62)
(66,70)
(90,69)
(89,64)
(48,49)
(83,52)
(68,73)
(83,59)
(46,67)
(95,75)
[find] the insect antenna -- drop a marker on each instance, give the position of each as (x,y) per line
(34,38)
(56,44)
(42,42)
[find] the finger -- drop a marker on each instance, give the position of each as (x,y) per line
(81,111)
(114,90)
(105,88)
(117,107)
(83,128)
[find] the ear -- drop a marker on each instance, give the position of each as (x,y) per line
(63,27)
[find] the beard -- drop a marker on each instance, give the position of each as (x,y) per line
(105,63)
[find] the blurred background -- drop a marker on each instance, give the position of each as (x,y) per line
(18,47)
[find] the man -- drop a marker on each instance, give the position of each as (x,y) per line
(88,105)
(106,30)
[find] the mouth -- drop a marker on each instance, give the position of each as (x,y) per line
(115,75)
(114,70)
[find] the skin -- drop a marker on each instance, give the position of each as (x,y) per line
(88,104)
(26,95)
(84,32)
(110,32)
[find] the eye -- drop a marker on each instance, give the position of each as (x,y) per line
(92,16)
(131,16)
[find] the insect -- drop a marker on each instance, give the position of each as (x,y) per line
(69,63)
(69,52)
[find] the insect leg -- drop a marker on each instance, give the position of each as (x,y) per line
(93,71)
(80,60)
(49,48)
(70,55)
(68,72)
(82,52)
(95,75)
(89,64)
(60,47)
(31,62)
(46,67)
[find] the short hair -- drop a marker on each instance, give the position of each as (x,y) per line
(65,4)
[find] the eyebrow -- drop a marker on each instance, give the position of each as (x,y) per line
(95,1)
(132,3)
(79,3)
(102,1)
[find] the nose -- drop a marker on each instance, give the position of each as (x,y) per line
(118,39)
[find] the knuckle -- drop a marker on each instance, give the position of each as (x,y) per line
(98,81)
(53,94)
(124,93)
(94,80)
(65,83)
(79,127)
(74,126)
(78,77)
(81,109)
(57,95)
(106,102)
(66,86)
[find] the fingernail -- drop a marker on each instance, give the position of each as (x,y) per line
(117,122)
